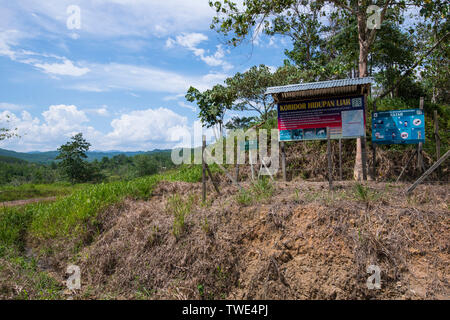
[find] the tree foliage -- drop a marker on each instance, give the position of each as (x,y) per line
(72,156)
(213,104)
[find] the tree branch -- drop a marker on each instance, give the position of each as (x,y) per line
(343,6)
(408,72)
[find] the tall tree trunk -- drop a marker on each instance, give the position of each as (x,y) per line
(362,71)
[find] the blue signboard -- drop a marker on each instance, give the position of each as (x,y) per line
(398,126)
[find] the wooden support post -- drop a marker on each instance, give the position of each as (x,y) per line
(224,170)
(437,137)
(212,179)
(340,159)
(364,157)
(330,172)
(374,152)
(406,166)
(430,170)
(237,171)
(283,161)
(420,146)
(203,169)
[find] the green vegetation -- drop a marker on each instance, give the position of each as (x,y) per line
(73,164)
(29,191)
(20,179)
(261,190)
(179,208)
(32,283)
(74,216)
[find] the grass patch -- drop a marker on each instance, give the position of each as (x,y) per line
(261,190)
(74,215)
(30,191)
(365,194)
(22,280)
(189,173)
(14,223)
(179,208)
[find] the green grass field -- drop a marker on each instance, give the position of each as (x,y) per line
(30,191)
(68,218)
(75,214)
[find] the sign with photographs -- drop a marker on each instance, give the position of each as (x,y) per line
(398,126)
(308,120)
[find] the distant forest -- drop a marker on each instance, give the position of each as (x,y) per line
(121,166)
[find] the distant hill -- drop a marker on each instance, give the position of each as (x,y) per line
(49,156)
(11,160)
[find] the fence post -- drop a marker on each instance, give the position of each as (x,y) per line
(330,172)
(203,168)
(340,159)
(283,161)
(437,137)
(420,146)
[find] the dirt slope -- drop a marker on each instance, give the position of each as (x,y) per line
(301,243)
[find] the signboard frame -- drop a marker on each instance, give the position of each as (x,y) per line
(405,126)
(309,119)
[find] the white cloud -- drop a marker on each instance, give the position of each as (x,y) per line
(191,41)
(136,130)
(10,106)
(58,123)
(187,106)
(147,129)
(102,111)
(113,18)
(107,77)
(174,97)
(57,65)
(65,69)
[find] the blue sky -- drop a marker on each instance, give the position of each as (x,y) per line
(120,79)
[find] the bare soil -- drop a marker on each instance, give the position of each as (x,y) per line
(17,203)
(304,242)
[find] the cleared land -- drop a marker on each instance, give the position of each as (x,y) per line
(290,240)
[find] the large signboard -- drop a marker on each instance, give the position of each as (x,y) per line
(308,120)
(398,126)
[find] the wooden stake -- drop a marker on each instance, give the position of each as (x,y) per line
(212,179)
(364,157)
(437,137)
(406,166)
(430,170)
(283,161)
(203,168)
(224,170)
(420,146)
(330,178)
(340,159)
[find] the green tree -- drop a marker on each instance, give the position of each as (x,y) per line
(291,18)
(145,165)
(72,155)
(213,104)
(250,86)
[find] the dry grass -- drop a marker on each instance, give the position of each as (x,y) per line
(305,243)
